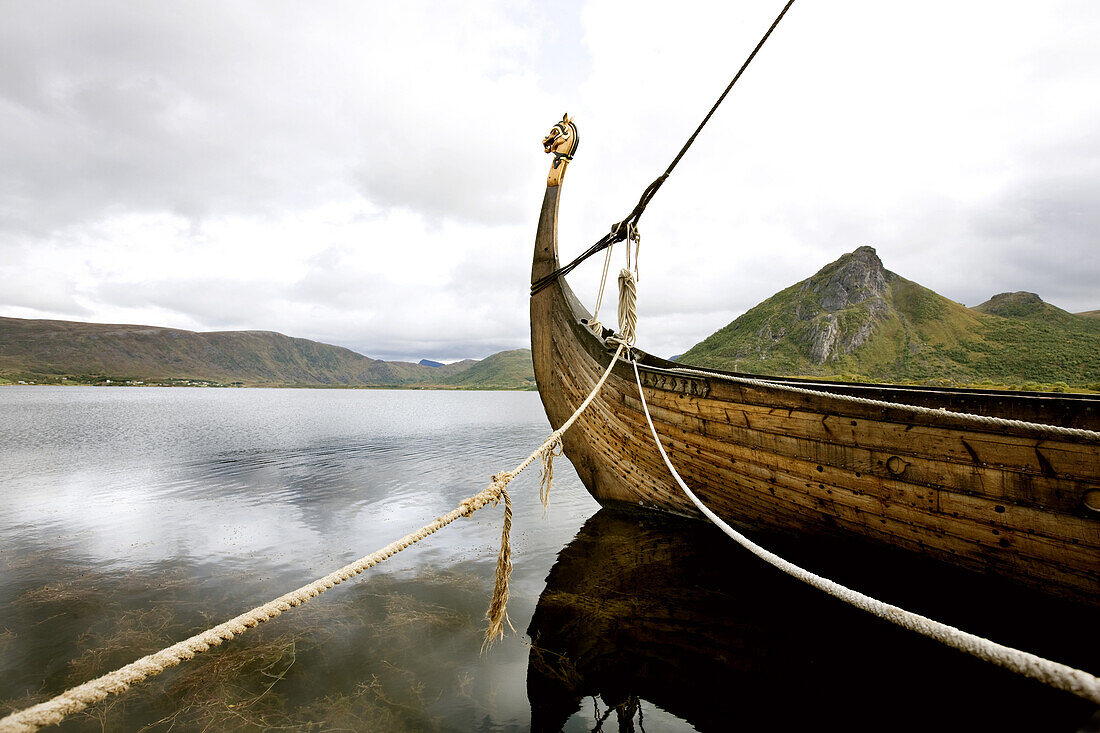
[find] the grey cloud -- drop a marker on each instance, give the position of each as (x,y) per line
(44,295)
(1046,236)
(215,303)
(452,173)
(329,281)
(1042,234)
(334,303)
(211,108)
(260,110)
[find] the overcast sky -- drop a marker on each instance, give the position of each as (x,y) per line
(370,174)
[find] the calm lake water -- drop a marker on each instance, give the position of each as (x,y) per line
(132,518)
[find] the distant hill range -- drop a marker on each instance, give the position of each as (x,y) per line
(857,320)
(94,353)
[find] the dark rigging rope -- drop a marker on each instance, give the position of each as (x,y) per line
(619,231)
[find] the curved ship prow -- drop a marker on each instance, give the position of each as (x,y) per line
(1012,500)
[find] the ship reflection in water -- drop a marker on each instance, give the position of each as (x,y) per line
(641,608)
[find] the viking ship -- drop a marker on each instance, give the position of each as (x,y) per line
(998,482)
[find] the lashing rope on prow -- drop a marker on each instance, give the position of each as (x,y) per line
(628,306)
(56,709)
(628,289)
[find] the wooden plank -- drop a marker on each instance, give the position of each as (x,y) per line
(1044,492)
(726,391)
(826,489)
(1066,460)
(869,516)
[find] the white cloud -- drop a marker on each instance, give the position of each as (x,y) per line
(369,174)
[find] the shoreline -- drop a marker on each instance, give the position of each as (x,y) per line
(200,385)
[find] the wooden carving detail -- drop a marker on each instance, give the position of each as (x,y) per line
(677,384)
(562,142)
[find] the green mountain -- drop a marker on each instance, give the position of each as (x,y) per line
(857,320)
(93,353)
(503,370)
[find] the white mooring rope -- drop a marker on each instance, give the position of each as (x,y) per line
(78,698)
(594,322)
(1055,674)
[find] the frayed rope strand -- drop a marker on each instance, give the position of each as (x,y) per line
(497,614)
(546,476)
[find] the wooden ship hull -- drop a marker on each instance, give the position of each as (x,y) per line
(668,612)
(1013,501)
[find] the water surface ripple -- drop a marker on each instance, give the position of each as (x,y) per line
(134,517)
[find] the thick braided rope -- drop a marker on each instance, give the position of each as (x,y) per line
(628,305)
(917,409)
(1055,674)
(78,698)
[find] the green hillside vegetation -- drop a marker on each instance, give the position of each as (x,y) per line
(46,351)
(856,320)
(504,370)
(1089,314)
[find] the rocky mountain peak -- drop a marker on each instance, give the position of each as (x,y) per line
(857,278)
(866,253)
(853,317)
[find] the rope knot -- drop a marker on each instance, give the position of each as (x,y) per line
(498,484)
(553,448)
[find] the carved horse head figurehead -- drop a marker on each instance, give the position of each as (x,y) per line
(562,142)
